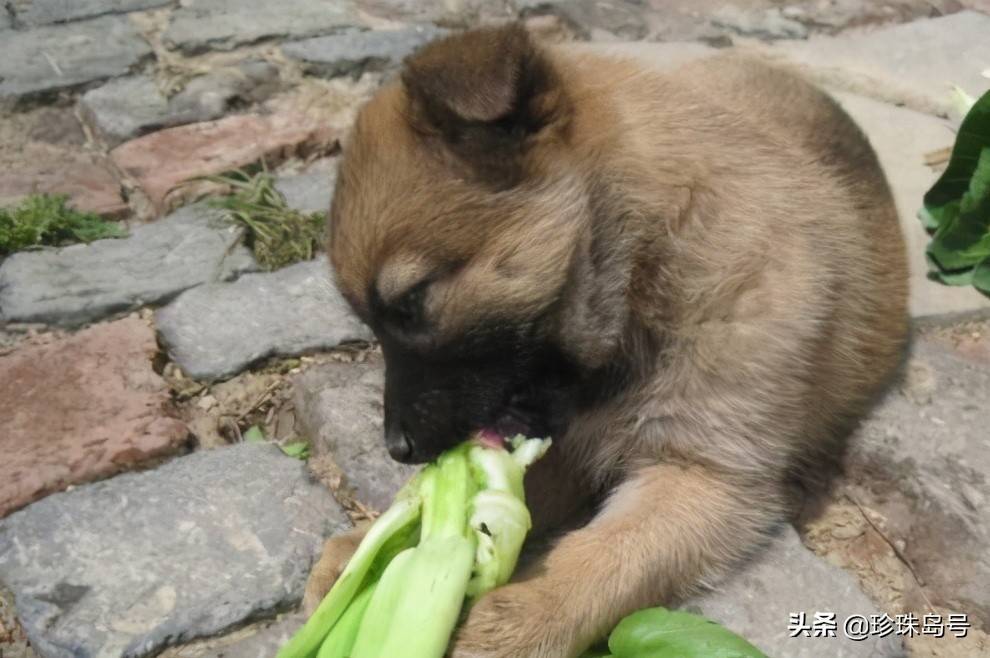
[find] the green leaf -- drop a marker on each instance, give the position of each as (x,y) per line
(297,449)
(981,276)
(662,633)
(254,435)
(962,239)
(973,137)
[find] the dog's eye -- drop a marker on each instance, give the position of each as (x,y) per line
(406,312)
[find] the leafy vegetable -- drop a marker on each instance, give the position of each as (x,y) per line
(43,219)
(662,633)
(957,208)
(278,235)
(297,449)
(254,434)
(453,532)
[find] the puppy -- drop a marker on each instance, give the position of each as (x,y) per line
(693,281)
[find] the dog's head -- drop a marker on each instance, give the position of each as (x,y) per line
(460,234)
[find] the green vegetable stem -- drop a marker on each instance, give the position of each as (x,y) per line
(452,534)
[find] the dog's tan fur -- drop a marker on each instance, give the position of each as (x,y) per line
(724,229)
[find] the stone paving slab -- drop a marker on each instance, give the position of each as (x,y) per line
(912,64)
(354,53)
(195,547)
(261,640)
(59,57)
(339,407)
(312,190)
(132,106)
(42,150)
(81,283)
(901,138)
(80,408)
(784,578)
(46,12)
(202,25)
(921,460)
(164,160)
(84,177)
(217,330)
(765,24)
(618,19)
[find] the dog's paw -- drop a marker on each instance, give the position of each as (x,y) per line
(515,621)
(336,553)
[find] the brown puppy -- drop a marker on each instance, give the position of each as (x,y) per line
(693,280)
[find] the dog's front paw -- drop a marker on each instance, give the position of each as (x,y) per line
(515,621)
(336,553)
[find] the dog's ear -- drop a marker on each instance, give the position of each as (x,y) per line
(485,93)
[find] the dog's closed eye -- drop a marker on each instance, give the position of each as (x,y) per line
(405,312)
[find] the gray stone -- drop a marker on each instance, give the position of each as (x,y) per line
(311,191)
(59,57)
(787,578)
(911,64)
(353,53)
(215,331)
(202,25)
(261,640)
(588,18)
(339,406)
(45,12)
(901,138)
(132,106)
(766,24)
(449,13)
(81,283)
(212,95)
(922,461)
(5,20)
(127,566)
(124,108)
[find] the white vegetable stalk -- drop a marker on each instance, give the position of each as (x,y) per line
(454,532)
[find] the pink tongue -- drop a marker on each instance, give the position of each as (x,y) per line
(491,439)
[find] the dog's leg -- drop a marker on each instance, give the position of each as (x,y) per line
(336,553)
(663,530)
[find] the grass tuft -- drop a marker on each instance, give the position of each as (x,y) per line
(43,219)
(277,234)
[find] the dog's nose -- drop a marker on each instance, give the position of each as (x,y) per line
(398,444)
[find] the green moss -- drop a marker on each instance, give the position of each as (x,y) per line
(278,235)
(43,219)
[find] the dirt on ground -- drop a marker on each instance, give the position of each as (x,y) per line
(852,536)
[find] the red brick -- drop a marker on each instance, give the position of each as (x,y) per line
(163,161)
(79,408)
(88,182)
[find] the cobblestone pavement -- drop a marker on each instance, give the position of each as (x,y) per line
(176,335)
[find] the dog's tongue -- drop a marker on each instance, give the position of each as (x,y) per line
(491,439)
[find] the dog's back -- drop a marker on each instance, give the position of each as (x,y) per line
(783,266)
